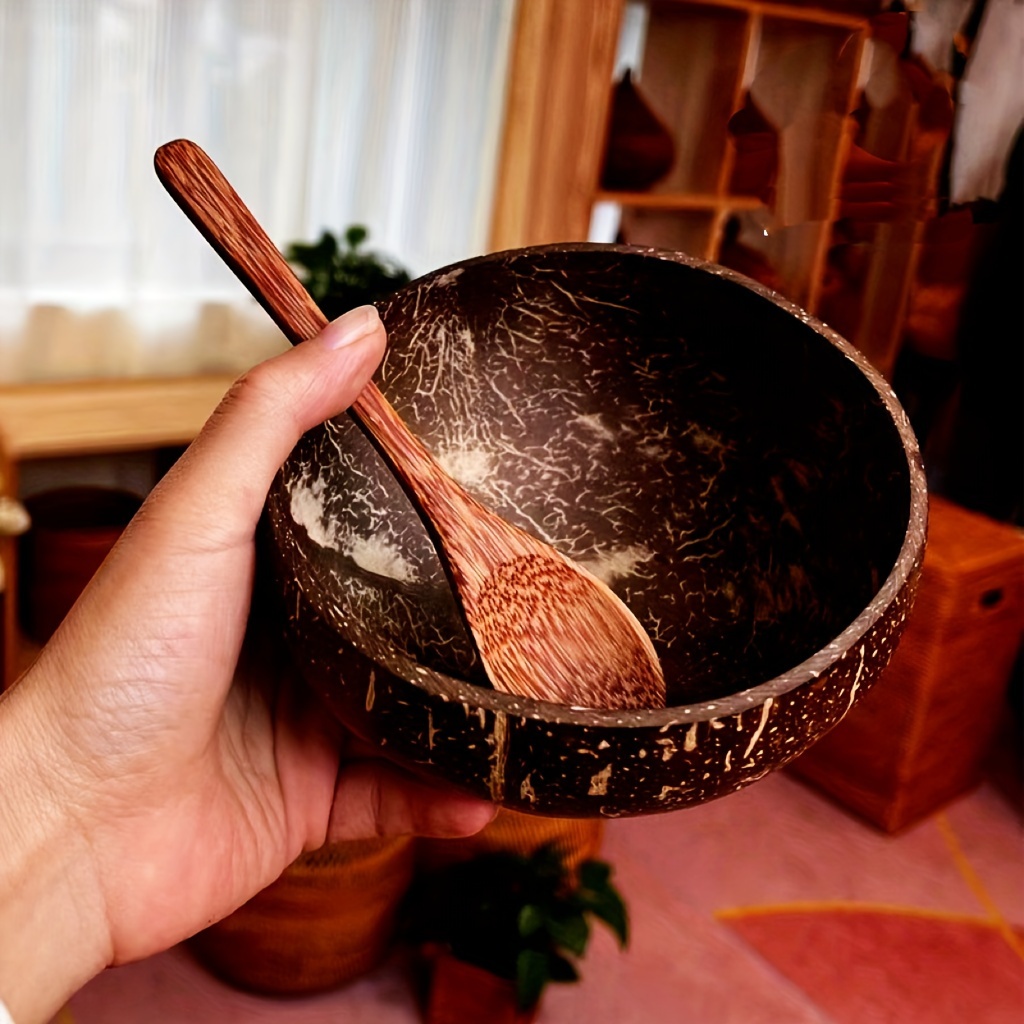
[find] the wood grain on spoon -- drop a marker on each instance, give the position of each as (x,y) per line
(544,627)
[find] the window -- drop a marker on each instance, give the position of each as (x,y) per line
(322,113)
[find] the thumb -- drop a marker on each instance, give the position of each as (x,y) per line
(225,474)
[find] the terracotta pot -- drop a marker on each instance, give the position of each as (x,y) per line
(463,994)
(327,920)
(73,530)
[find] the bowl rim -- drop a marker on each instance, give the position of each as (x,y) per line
(908,561)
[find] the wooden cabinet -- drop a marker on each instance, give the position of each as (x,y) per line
(801,155)
(42,423)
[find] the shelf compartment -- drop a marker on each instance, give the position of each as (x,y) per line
(693,58)
(819,15)
(689,231)
(804,84)
(681,201)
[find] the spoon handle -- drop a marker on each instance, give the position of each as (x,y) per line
(208,200)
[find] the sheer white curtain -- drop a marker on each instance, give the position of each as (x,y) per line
(321,112)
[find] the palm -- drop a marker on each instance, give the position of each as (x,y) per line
(216,832)
(208,790)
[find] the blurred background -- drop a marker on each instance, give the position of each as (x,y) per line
(856,155)
(321,113)
(861,157)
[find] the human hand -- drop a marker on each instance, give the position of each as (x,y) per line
(150,782)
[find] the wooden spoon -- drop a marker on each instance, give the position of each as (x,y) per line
(544,627)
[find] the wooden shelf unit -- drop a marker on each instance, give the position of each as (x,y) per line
(83,418)
(668,201)
(701,62)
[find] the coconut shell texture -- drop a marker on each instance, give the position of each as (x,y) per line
(732,469)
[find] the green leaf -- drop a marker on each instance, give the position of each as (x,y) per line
(562,969)
(570,932)
(341,278)
(356,235)
(531,919)
(609,907)
(315,260)
(594,874)
(532,974)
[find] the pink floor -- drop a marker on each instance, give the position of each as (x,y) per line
(771,906)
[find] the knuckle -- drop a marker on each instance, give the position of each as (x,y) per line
(266,390)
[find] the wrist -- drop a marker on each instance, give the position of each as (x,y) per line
(53,933)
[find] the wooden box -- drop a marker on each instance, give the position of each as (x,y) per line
(923,733)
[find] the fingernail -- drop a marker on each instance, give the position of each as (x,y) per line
(350,327)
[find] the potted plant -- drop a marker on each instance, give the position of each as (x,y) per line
(342,277)
(498,928)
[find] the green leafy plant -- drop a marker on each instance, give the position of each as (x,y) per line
(340,277)
(527,919)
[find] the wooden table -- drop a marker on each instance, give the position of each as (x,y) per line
(81,418)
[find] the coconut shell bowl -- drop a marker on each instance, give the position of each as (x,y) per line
(731,468)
